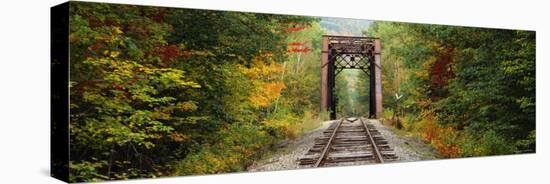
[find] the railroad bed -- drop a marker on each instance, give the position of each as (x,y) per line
(349,141)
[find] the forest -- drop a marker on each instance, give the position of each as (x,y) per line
(160,91)
(466,91)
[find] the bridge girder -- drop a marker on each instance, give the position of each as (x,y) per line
(349,52)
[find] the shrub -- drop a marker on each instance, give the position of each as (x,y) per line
(387,114)
(489,143)
(409,122)
(494,144)
(237,145)
(86,171)
(527,145)
(283,125)
(443,138)
(309,122)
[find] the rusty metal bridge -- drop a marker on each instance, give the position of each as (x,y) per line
(350,52)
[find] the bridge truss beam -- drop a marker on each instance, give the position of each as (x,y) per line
(347,52)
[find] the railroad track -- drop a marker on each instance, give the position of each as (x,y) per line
(349,141)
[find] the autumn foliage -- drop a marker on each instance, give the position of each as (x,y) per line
(159,91)
(466,91)
(442,138)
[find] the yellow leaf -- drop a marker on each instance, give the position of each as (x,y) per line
(114,54)
(118,31)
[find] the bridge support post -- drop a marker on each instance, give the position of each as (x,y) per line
(377,78)
(324,75)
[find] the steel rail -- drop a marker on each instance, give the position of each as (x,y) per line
(327,147)
(376,153)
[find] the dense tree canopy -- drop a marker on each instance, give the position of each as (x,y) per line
(469,91)
(160,91)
